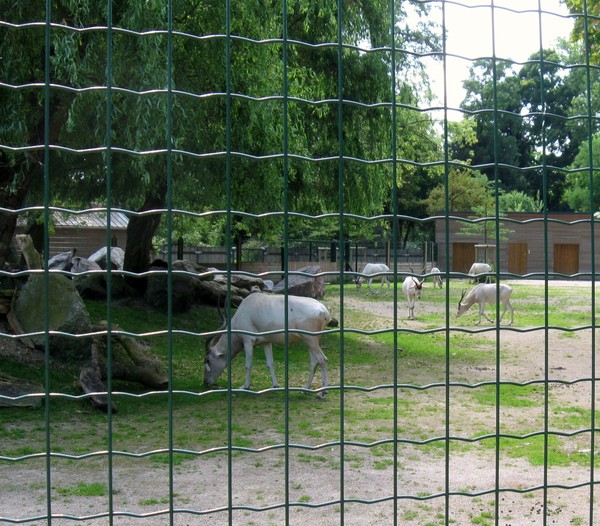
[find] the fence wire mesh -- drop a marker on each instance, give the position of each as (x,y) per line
(253,118)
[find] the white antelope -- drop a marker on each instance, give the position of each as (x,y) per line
(486,293)
(477,269)
(371,271)
(261,313)
(437,278)
(412,287)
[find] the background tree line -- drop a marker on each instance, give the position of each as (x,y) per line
(275,143)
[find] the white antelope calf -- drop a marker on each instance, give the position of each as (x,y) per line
(412,287)
(259,314)
(371,271)
(486,293)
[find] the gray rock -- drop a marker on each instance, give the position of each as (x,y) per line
(117,258)
(61,261)
(79,265)
(298,285)
(183,285)
(67,313)
(250,283)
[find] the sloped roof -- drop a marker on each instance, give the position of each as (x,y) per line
(118,220)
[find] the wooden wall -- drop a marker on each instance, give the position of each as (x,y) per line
(563,244)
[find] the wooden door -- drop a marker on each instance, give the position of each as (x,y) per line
(463,256)
(517,258)
(566,258)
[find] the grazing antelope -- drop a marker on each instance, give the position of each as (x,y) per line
(412,287)
(477,269)
(437,278)
(371,271)
(486,293)
(262,317)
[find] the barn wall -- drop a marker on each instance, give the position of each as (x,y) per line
(86,241)
(576,231)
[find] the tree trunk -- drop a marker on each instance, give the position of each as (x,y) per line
(16,177)
(12,198)
(140,231)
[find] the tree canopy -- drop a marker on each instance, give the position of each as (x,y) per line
(239,117)
(245,123)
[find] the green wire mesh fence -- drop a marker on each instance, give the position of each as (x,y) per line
(279,120)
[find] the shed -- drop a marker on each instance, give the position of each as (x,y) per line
(530,243)
(85,231)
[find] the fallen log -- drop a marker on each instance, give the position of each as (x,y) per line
(90,380)
(16,388)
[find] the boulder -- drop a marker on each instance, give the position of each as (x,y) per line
(94,284)
(67,313)
(117,258)
(183,287)
(61,261)
(241,281)
(79,265)
(193,283)
(299,285)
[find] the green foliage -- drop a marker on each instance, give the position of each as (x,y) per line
(493,90)
(523,120)
(202,173)
(519,202)
(466,190)
(586,30)
(579,193)
(486,230)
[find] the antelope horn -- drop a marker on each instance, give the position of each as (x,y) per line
(212,340)
(221,313)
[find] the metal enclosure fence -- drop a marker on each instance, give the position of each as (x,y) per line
(251,482)
(297,254)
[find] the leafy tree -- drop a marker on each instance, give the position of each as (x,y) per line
(519,202)
(199,138)
(547,93)
(592,24)
(466,187)
(503,145)
(77,61)
(466,190)
(578,189)
(484,230)
(535,122)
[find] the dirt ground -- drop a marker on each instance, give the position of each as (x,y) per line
(418,496)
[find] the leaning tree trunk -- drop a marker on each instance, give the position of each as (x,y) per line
(140,231)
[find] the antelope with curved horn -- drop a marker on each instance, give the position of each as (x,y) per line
(260,320)
(486,293)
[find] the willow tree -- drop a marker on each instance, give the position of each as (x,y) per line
(223,119)
(71,147)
